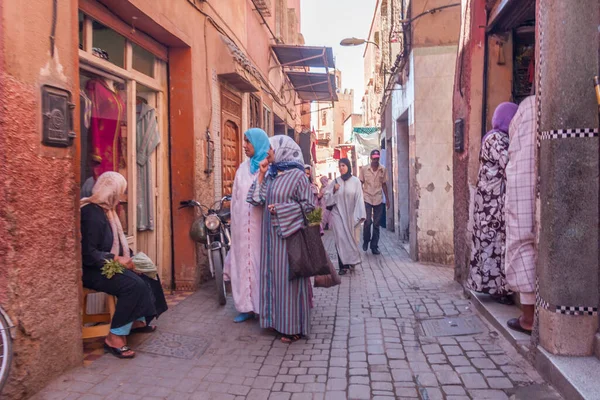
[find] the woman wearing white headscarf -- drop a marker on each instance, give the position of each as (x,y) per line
(102,239)
(285,191)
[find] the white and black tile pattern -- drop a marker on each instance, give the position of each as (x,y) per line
(565,310)
(569,133)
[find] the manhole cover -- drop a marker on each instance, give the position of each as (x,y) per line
(452,326)
(172,345)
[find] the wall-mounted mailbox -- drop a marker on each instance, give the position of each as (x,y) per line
(459,135)
(57,115)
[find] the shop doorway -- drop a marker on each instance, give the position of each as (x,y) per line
(403,184)
(124,129)
(231,154)
(391,217)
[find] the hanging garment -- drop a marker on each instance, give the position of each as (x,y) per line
(85,107)
(148,139)
(108,114)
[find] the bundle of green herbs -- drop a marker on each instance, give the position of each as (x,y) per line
(315,217)
(112,267)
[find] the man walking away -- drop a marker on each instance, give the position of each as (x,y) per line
(374,185)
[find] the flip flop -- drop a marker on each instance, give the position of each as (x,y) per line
(144,329)
(118,352)
(243,317)
(515,325)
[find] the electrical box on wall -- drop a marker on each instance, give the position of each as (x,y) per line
(459,135)
(57,116)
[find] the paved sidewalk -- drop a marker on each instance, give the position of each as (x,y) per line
(367,343)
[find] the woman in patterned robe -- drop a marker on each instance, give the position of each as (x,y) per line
(284,190)
(489,232)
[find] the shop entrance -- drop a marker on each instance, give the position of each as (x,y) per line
(124,129)
(403,186)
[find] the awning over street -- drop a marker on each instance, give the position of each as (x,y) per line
(313,86)
(296,62)
(304,56)
(509,14)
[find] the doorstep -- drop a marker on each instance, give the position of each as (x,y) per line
(576,378)
(497,314)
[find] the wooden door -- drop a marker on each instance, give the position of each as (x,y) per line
(231,152)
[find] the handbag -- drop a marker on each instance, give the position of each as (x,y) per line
(306,253)
(327,281)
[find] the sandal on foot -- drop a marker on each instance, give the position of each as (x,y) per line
(242,317)
(289,339)
(342,272)
(144,329)
(515,325)
(118,352)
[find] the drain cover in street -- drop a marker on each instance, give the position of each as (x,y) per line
(452,326)
(172,345)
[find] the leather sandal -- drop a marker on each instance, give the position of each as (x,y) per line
(118,352)
(515,325)
(289,339)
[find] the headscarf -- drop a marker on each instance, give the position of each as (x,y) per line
(106,192)
(348,174)
(260,142)
(288,155)
(504,113)
(324,181)
(309,168)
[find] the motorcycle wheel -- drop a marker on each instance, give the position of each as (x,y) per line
(217,261)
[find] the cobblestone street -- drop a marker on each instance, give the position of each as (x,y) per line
(367,343)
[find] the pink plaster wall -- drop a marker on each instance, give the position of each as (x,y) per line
(39,239)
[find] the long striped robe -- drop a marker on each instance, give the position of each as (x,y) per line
(284,304)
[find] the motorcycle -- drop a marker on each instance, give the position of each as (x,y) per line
(212,229)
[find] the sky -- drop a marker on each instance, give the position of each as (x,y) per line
(327,22)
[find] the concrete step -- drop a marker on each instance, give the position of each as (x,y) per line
(497,314)
(576,378)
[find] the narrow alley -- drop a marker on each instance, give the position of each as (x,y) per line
(370,340)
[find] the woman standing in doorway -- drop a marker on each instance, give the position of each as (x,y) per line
(285,193)
(345,198)
(489,232)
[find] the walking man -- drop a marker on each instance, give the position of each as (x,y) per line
(374,184)
(520,212)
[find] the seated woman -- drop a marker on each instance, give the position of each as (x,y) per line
(102,238)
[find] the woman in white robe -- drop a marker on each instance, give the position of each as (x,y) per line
(344,197)
(242,265)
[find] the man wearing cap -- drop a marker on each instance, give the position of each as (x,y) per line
(374,184)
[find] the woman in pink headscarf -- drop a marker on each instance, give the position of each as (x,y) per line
(489,230)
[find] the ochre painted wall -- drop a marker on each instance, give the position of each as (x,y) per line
(39,220)
(467,105)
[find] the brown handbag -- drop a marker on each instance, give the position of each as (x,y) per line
(306,254)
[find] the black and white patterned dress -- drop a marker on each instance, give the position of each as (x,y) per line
(489,234)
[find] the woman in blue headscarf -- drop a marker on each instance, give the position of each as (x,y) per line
(242,265)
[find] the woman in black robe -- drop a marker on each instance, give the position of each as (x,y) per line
(102,239)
